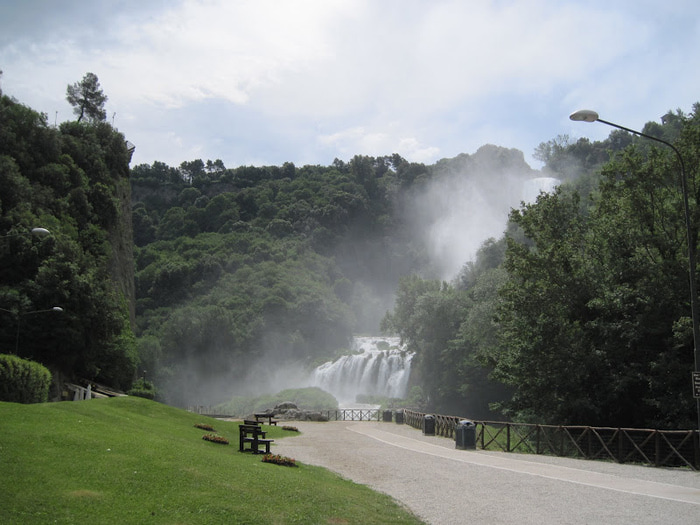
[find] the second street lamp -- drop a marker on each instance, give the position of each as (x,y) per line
(19,318)
(587,115)
(37,232)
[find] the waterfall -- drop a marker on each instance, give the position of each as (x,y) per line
(532,188)
(379,368)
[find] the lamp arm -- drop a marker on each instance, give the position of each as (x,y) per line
(694,307)
(650,137)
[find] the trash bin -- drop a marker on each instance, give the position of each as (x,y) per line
(428,425)
(386,416)
(465,435)
(399,417)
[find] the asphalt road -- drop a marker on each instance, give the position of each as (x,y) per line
(443,485)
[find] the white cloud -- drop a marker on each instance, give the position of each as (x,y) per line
(316,79)
(377,143)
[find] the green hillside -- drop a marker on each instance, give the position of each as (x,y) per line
(130,460)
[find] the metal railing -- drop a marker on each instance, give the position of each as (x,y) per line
(660,448)
(352,414)
(341,414)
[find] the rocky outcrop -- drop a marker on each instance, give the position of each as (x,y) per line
(291,412)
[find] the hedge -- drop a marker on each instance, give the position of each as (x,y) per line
(23,381)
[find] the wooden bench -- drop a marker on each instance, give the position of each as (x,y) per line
(254,435)
(269,417)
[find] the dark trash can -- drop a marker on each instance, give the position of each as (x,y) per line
(386,416)
(399,417)
(428,425)
(465,435)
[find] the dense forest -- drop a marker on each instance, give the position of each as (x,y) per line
(575,311)
(582,310)
(66,297)
(254,271)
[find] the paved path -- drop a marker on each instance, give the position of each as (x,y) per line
(443,485)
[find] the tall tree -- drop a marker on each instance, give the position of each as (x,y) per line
(87,99)
(594,320)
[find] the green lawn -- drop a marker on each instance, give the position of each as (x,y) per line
(129,460)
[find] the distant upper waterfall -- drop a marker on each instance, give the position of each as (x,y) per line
(532,188)
(380,368)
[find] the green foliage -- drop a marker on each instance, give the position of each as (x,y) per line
(597,295)
(142,388)
(586,321)
(259,264)
(132,461)
(87,99)
(452,331)
(71,181)
(23,381)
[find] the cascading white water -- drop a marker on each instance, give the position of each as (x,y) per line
(532,188)
(380,368)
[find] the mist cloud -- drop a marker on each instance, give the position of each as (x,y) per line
(456,211)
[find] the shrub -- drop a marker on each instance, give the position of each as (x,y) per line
(279,460)
(215,439)
(23,381)
(143,388)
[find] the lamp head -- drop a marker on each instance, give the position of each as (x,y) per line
(584,115)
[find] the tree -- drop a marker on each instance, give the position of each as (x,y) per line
(594,325)
(87,99)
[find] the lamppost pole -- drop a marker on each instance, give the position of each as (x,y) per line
(586,115)
(19,319)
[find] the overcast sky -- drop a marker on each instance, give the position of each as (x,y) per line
(264,82)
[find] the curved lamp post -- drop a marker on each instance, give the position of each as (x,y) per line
(38,232)
(587,115)
(19,318)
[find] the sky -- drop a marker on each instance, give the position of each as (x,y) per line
(263,82)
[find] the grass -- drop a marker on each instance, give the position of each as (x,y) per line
(130,460)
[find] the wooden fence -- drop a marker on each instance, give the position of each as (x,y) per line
(660,448)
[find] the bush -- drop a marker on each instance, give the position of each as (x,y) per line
(215,439)
(23,381)
(279,460)
(143,388)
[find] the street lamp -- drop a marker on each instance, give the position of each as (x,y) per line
(19,317)
(38,232)
(587,115)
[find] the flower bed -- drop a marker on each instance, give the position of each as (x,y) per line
(203,426)
(291,429)
(215,439)
(279,460)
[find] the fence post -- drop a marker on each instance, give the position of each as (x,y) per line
(561,441)
(620,446)
(589,445)
(657,448)
(508,437)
